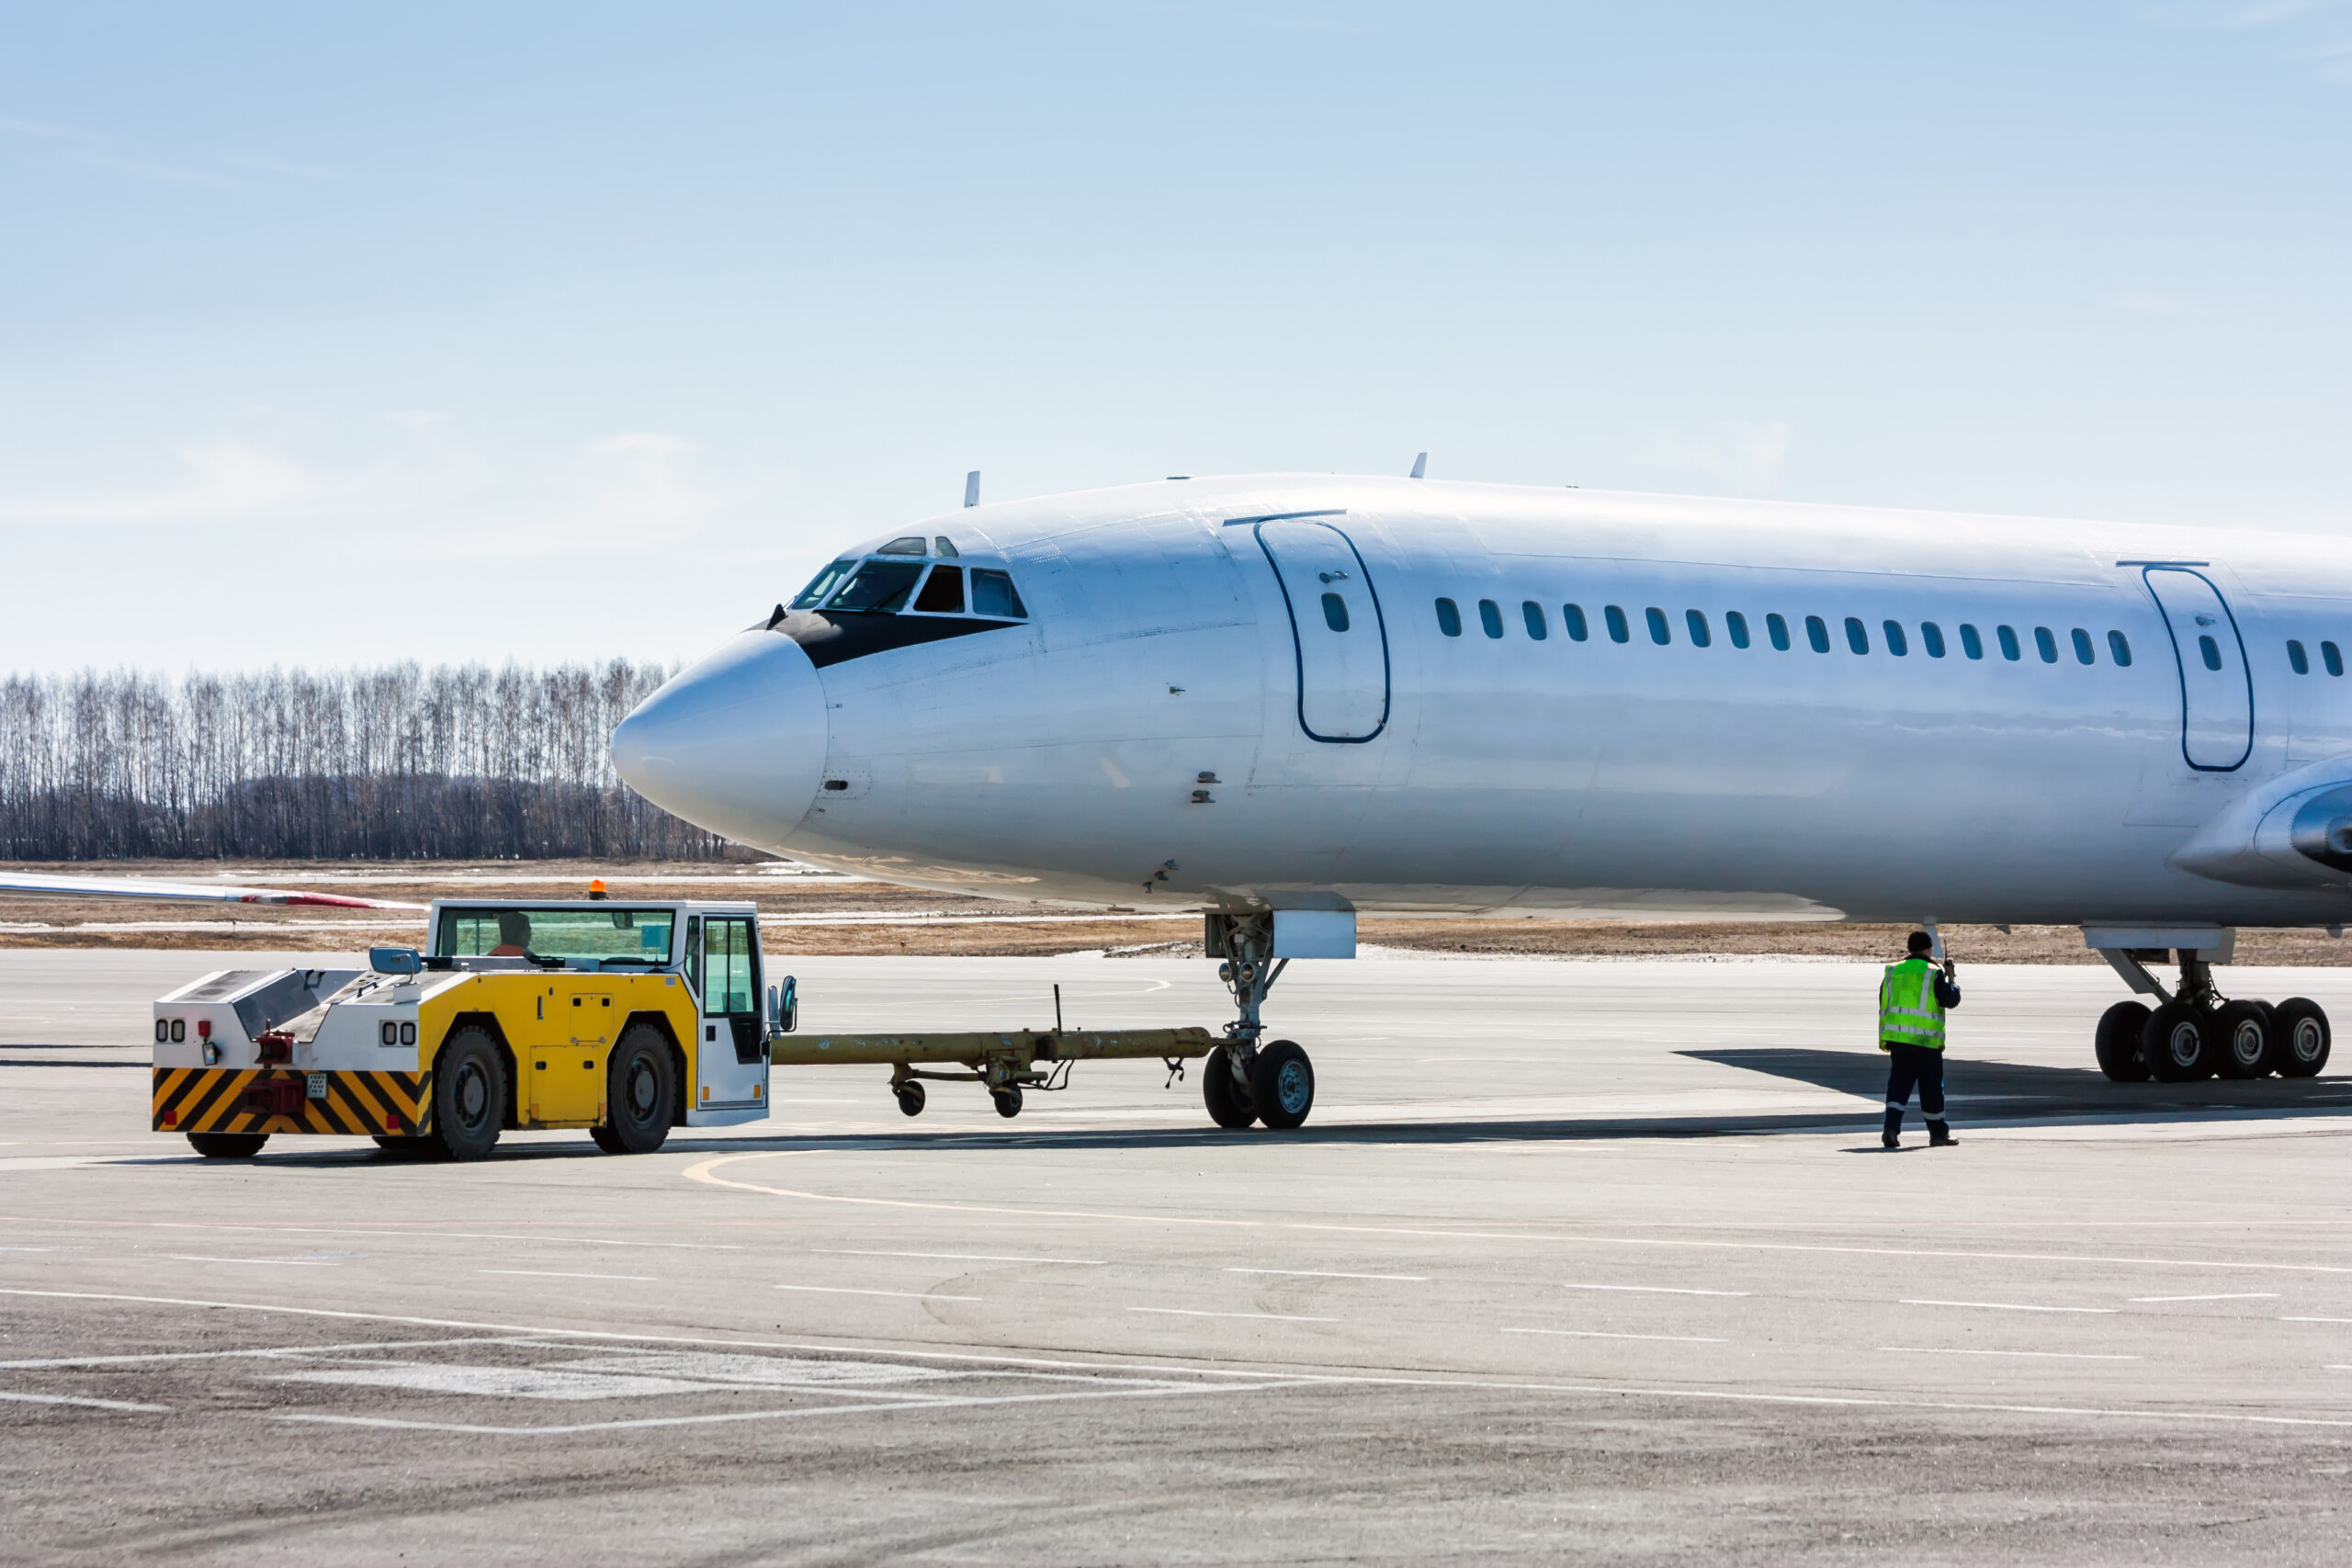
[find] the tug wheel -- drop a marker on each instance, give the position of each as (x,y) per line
(1226,1095)
(640,1094)
(228,1145)
(1282,1083)
(469,1095)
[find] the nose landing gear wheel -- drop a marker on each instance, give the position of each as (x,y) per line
(2119,1028)
(1223,1092)
(2242,1037)
(1282,1083)
(2299,1037)
(2177,1044)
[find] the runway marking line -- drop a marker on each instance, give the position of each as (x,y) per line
(2040,1355)
(82,1404)
(350,1230)
(1265,1316)
(704,1172)
(2009,1306)
(2228,1296)
(555,1274)
(904,1295)
(2315,1320)
(954,1257)
(1657,1289)
(251,1354)
(1233,1378)
(289,1262)
(1332,1274)
(1597,1333)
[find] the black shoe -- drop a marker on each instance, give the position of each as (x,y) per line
(1889,1141)
(1941,1141)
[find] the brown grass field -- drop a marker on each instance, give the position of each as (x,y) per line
(820,913)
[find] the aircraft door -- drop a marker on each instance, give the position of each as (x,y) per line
(2216,689)
(731,1066)
(1338,633)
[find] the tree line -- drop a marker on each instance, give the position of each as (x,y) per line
(397,762)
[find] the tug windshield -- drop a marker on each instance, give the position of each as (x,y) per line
(609,934)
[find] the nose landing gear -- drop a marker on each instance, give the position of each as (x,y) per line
(1242,1082)
(2195,1033)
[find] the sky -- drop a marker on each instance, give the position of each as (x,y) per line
(342,334)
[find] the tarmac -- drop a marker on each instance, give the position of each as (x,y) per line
(1576,1260)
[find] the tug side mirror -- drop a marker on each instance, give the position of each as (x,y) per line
(784,1006)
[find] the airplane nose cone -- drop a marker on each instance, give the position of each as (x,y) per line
(735,743)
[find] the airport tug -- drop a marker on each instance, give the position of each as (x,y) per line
(621,1019)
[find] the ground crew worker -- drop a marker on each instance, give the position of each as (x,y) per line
(1912,1001)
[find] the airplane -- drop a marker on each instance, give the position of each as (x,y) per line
(1285,701)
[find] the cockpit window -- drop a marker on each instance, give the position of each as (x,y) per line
(827,581)
(946,547)
(993,595)
(943,595)
(907,545)
(879,585)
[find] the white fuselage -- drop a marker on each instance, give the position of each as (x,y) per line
(1182,720)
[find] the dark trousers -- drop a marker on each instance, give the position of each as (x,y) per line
(1909,1065)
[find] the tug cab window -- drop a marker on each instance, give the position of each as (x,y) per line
(993,595)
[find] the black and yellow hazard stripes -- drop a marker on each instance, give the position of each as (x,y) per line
(278,1099)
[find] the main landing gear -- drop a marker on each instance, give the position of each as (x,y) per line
(1243,1081)
(2194,1032)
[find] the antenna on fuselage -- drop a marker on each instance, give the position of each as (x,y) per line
(1421,466)
(972,488)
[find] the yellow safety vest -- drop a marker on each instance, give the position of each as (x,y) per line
(1908,1012)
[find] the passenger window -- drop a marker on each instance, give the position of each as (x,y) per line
(1449,617)
(1335,612)
(1572,617)
(2045,645)
(942,591)
(1737,624)
(1698,625)
(1618,630)
(2083,654)
(2211,651)
(2330,656)
(1856,637)
(2119,649)
(879,585)
(1895,644)
(1533,614)
(1660,633)
(2296,658)
(2009,649)
(1970,643)
(1490,616)
(825,583)
(1777,628)
(1817,632)
(1931,637)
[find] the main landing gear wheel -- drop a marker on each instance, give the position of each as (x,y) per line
(2119,1028)
(911,1096)
(1282,1083)
(228,1145)
(1223,1091)
(1008,1101)
(2299,1037)
(2177,1044)
(469,1095)
(640,1094)
(2241,1040)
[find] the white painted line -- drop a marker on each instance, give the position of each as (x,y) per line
(2040,1355)
(33,1250)
(1331,1274)
(292,1262)
(1269,1316)
(955,1256)
(2232,1296)
(83,1404)
(2315,1320)
(904,1295)
(552,1274)
(1654,1290)
(2010,1306)
(263,1354)
(1596,1334)
(505,1383)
